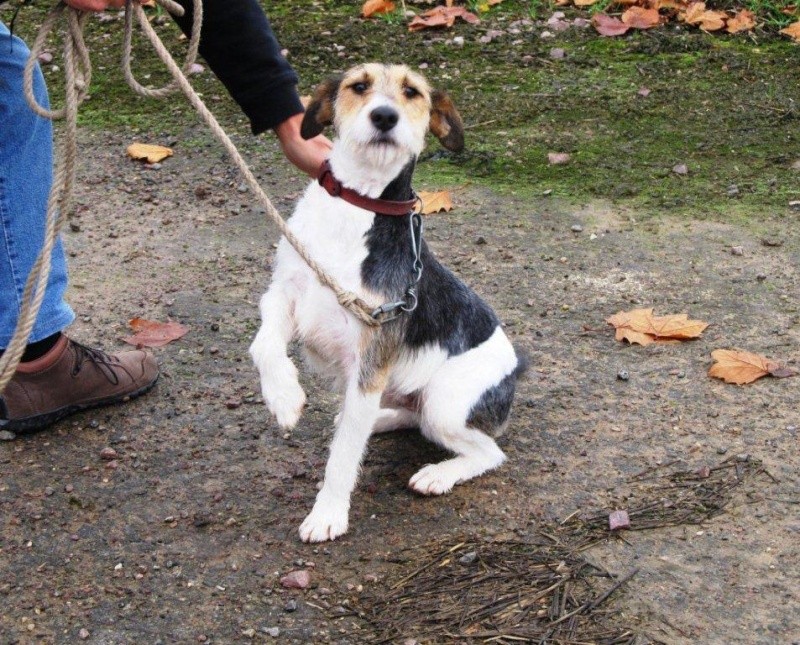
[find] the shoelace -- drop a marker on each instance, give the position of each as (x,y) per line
(102,360)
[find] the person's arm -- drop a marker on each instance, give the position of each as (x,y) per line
(240,47)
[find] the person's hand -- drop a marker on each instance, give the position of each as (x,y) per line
(95,5)
(307,155)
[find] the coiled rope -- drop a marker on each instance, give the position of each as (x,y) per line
(78,71)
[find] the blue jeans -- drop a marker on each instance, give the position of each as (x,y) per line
(26,173)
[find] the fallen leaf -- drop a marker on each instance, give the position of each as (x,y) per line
(641,18)
(441,17)
(733,366)
(374,7)
(435,202)
(558,158)
(608,26)
(642,327)
(151,333)
(743,21)
(793,31)
(584,3)
(697,14)
(148,152)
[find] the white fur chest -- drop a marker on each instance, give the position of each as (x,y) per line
(333,233)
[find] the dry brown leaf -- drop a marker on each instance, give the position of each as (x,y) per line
(643,327)
(641,18)
(793,31)
(435,202)
(608,26)
(584,3)
(733,366)
(374,7)
(677,327)
(743,21)
(151,333)
(148,152)
(441,17)
(707,20)
(633,336)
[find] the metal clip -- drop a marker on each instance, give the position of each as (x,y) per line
(388,307)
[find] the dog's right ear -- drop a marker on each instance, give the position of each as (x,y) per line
(319,112)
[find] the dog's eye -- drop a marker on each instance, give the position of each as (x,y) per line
(410,92)
(359,88)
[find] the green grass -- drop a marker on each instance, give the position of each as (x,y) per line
(725,106)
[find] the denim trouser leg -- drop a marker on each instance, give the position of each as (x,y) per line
(26,161)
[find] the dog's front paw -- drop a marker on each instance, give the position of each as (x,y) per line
(286,403)
(434,479)
(324,522)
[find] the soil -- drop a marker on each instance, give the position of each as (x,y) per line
(184,535)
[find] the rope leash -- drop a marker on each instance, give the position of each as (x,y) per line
(77,71)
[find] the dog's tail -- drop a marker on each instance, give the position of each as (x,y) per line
(523,361)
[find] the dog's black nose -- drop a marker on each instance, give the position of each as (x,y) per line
(384,118)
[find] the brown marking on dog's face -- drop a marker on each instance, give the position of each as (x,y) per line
(446,123)
(319,112)
(346,101)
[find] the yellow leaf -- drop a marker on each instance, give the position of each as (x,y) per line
(584,3)
(435,202)
(793,31)
(373,7)
(148,152)
(740,367)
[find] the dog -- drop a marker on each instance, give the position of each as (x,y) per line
(443,363)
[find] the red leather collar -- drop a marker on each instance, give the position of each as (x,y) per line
(380,206)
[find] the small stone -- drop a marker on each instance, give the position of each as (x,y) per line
(795,204)
(45,58)
(249,633)
(7,435)
(721,451)
(300,579)
(243,187)
(643,92)
(623,375)
(290,606)
(111,465)
(618,520)
(196,68)
(737,250)
(557,53)
(468,558)
(272,631)
(232,404)
(83,634)
(69,488)
(733,190)
(214,326)
(458,41)
(75,227)
(546,34)
(480,240)
(558,158)
(108,454)
(49,491)
(576,228)
(761,277)
(680,169)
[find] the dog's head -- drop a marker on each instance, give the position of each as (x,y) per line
(383,112)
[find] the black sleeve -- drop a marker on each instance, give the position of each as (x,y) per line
(241,49)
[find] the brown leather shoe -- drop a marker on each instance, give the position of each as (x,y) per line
(70,378)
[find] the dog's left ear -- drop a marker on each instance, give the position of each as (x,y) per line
(319,112)
(446,123)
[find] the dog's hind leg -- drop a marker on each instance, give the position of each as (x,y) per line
(476,453)
(329,517)
(390,419)
(279,383)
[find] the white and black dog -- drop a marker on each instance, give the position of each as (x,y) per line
(443,364)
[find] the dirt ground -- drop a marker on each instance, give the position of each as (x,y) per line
(183,537)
